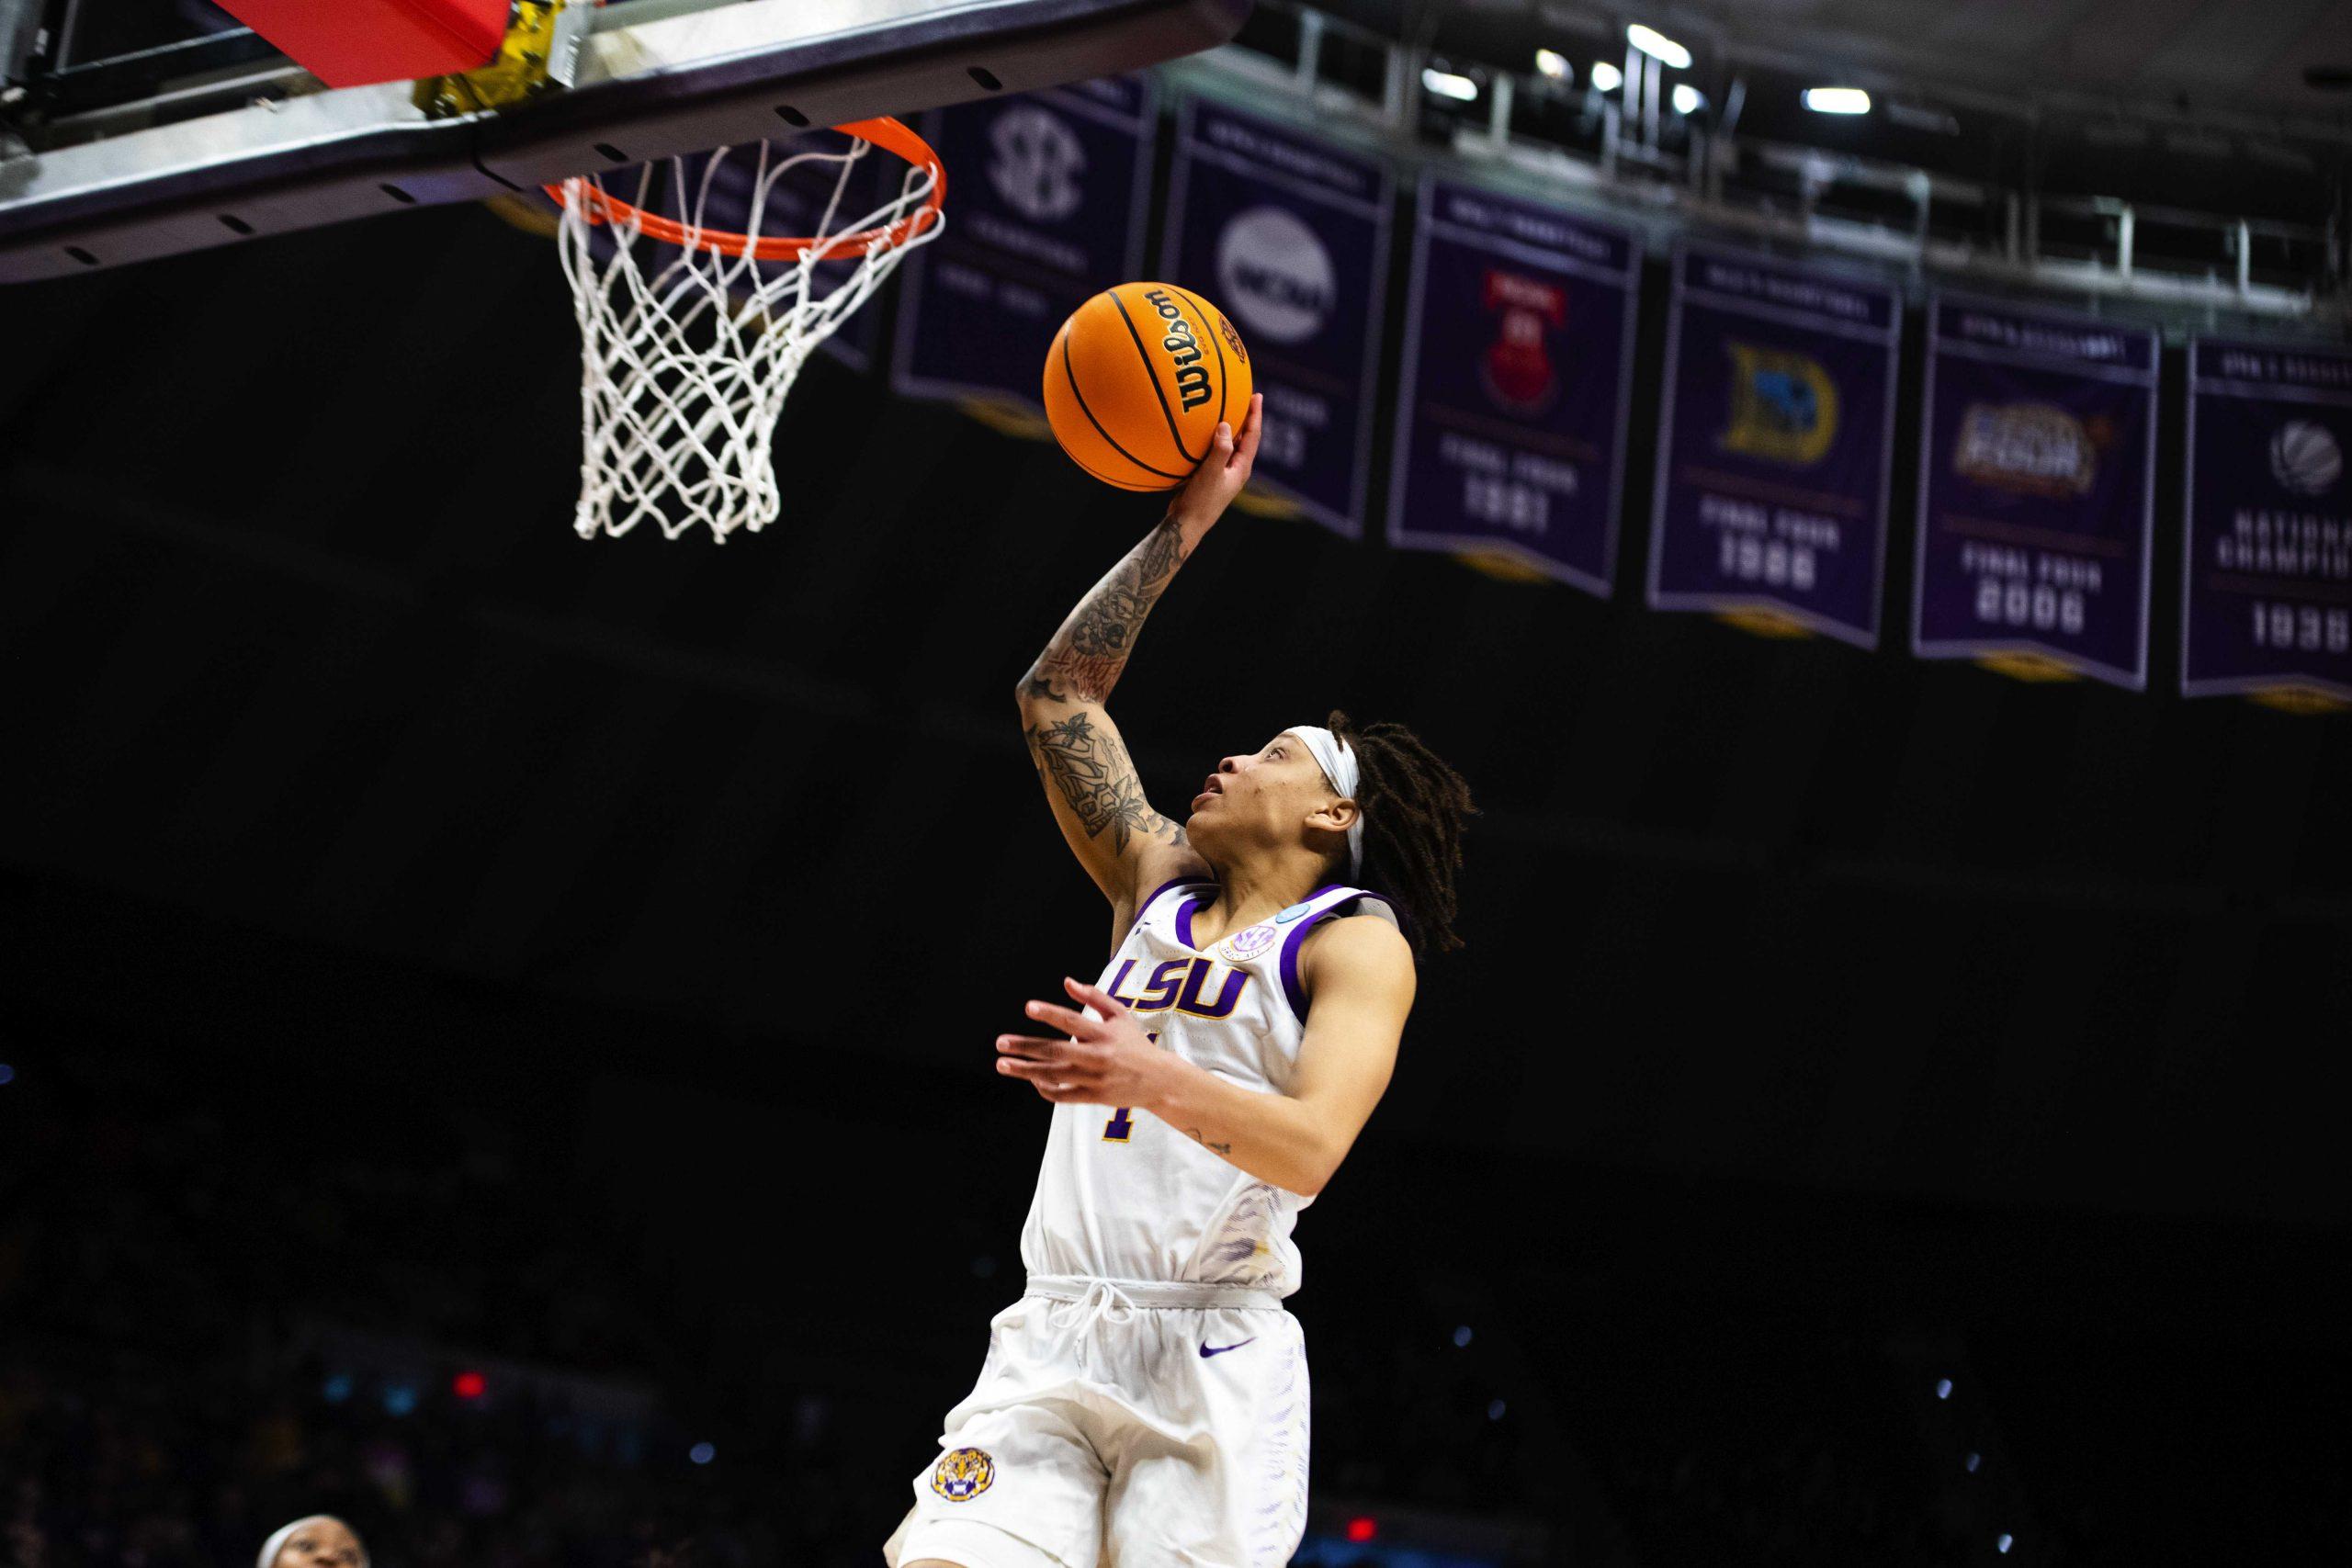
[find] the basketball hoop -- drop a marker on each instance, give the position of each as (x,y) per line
(690,335)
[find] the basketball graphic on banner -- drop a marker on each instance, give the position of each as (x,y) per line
(2304,457)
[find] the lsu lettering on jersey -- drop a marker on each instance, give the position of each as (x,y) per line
(1121,1195)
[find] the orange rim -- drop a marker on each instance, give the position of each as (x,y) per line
(888,134)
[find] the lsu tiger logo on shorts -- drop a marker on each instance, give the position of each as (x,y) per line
(963,1475)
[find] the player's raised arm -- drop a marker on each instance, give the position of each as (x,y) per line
(1090,781)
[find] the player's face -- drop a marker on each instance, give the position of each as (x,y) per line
(319,1543)
(1261,796)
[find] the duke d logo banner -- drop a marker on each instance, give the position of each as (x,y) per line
(1773,445)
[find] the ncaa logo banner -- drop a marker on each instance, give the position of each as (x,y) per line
(2037,491)
(1288,235)
(1774,446)
(1511,420)
(2267,590)
(1046,208)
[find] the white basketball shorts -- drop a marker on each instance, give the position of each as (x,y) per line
(1120,1424)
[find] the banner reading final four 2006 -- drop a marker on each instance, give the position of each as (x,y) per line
(2267,601)
(1288,235)
(1045,206)
(2036,489)
(1511,422)
(1772,459)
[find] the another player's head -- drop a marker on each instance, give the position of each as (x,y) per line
(319,1541)
(1407,805)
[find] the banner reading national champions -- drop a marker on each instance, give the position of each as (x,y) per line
(2036,489)
(2266,569)
(1288,234)
(1510,417)
(1774,444)
(1047,208)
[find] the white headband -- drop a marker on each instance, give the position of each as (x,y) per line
(1339,762)
(276,1544)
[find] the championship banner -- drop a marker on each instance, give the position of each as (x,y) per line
(1046,207)
(1511,420)
(2036,491)
(1774,444)
(1288,235)
(2266,590)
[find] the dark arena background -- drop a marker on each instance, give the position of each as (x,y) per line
(495,1029)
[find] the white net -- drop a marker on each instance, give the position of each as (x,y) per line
(689,344)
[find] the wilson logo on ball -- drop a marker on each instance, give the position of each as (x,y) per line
(1192,376)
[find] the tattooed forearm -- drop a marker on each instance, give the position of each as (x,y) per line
(1094,773)
(1083,661)
(1194,1132)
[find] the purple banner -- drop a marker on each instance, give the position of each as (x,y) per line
(1045,206)
(2036,489)
(1778,430)
(1510,424)
(1288,235)
(2267,590)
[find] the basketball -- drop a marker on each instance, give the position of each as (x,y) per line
(1137,380)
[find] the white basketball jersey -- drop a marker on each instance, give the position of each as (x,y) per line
(1122,1195)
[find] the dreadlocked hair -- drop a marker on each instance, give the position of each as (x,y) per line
(1414,807)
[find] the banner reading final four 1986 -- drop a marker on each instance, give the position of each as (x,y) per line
(2266,590)
(2036,489)
(1047,207)
(1288,235)
(1774,442)
(1512,416)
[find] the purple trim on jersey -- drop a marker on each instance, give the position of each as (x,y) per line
(1292,989)
(1184,921)
(1146,904)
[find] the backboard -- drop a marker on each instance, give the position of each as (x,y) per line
(135,129)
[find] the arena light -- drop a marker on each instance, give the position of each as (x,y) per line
(1552,64)
(1837,100)
(1658,45)
(1449,84)
(468,1386)
(1605,77)
(702,1453)
(1363,1528)
(1688,99)
(8,1073)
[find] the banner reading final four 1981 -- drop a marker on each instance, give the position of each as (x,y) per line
(1046,208)
(2036,489)
(1774,442)
(1287,233)
(2266,590)
(1510,420)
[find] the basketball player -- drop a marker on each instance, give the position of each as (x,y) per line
(319,1541)
(1144,1402)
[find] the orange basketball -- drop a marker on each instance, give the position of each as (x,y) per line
(1137,380)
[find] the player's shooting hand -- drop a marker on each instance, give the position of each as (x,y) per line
(1224,471)
(1105,1061)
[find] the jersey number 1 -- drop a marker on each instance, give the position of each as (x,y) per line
(1123,1121)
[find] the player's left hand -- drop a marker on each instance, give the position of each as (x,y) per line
(1105,1061)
